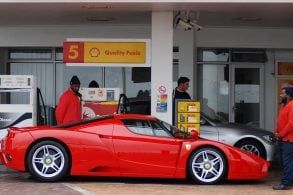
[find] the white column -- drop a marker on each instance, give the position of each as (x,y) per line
(185,41)
(162,64)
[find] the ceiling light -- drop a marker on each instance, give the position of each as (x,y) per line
(99,19)
(97,6)
(248,19)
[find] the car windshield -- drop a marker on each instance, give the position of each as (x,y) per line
(177,133)
(215,119)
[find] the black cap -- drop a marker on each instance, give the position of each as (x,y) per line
(74,80)
(289,91)
(94,84)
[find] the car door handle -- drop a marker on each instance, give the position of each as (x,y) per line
(106,136)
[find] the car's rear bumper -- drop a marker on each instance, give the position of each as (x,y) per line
(3,160)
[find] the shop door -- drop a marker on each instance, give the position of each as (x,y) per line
(246,105)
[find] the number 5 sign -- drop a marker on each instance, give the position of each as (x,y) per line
(73,52)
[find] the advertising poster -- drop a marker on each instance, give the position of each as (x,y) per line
(285,68)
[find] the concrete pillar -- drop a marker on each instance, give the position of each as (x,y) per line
(3,70)
(162,65)
(186,56)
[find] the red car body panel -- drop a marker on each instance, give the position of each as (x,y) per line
(108,148)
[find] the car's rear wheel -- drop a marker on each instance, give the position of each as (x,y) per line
(48,161)
(253,147)
(207,166)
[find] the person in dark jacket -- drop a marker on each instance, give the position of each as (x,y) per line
(69,107)
(180,93)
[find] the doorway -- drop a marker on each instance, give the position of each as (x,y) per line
(246,89)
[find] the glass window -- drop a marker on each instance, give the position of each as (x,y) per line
(44,74)
(59,54)
(159,130)
(139,126)
(136,89)
(248,55)
(213,55)
(213,90)
(145,127)
(114,77)
(31,54)
(85,74)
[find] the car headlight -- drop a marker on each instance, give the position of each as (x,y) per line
(270,138)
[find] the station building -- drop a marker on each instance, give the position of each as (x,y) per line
(237,54)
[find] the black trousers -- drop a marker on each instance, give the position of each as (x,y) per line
(286,160)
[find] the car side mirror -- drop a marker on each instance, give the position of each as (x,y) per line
(193,134)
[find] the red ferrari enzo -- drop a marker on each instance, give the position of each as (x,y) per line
(125,145)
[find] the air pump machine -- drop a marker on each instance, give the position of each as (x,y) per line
(16,113)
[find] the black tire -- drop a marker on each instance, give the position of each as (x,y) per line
(207,166)
(253,147)
(48,161)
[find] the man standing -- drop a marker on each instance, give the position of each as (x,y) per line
(69,107)
(180,93)
(284,133)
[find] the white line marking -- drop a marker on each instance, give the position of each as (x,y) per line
(78,189)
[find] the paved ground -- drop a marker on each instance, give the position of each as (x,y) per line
(21,183)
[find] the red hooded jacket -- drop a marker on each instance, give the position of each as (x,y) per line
(69,108)
(285,122)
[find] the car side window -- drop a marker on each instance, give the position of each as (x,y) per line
(145,127)
(158,130)
(138,126)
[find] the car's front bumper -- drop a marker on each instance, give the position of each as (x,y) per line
(271,151)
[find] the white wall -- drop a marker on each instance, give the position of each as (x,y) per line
(245,38)
(54,36)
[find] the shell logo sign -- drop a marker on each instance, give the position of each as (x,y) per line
(103,53)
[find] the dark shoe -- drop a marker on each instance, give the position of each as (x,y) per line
(281,187)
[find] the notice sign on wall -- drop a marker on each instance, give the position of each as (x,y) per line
(106,52)
(162,99)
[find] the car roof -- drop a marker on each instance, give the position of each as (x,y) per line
(105,117)
(134,116)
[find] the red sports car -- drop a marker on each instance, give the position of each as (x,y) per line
(125,145)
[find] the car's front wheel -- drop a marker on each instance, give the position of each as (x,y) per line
(207,166)
(48,161)
(253,147)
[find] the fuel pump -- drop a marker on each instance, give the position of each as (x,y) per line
(13,113)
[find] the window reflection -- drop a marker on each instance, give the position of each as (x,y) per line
(21,54)
(213,55)
(213,90)
(136,89)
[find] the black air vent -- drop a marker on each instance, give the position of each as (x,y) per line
(249,56)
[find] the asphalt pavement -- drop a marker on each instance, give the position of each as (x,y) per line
(12,182)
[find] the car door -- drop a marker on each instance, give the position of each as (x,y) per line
(143,152)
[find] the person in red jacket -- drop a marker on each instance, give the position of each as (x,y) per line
(284,133)
(69,107)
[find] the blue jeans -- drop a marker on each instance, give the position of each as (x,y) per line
(286,160)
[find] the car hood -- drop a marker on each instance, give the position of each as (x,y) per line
(243,128)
